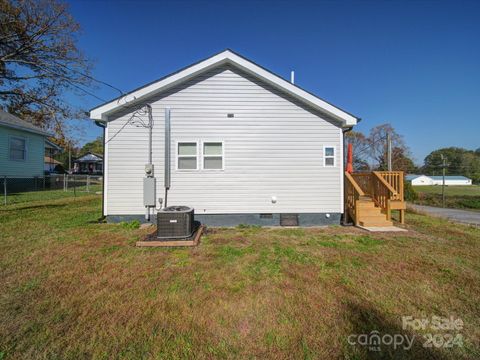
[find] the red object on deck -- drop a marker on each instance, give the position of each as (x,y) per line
(350,159)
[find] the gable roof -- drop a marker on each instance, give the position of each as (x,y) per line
(90,157)
(14,122)
(101,112)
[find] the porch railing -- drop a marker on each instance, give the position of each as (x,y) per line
(385,188)
(353,192)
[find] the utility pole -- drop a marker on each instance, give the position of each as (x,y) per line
(389,152)
(444,164)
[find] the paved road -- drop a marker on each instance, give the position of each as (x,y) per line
(461,216)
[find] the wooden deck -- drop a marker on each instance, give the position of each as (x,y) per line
(371,197)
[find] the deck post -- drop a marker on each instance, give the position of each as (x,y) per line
(389,210)
(357,212)
(402,216)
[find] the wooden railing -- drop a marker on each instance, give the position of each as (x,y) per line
(382,193)
(353,192)
(363,180)
(385,188)
(395,179)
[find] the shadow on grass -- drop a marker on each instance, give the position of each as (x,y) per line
(364,319)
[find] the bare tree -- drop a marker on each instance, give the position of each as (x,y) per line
(40,62)
(370,152)
(361,149)
(377,140)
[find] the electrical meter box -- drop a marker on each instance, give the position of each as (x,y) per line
(149,169)
(149,185)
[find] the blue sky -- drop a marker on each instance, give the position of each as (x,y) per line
(415,64)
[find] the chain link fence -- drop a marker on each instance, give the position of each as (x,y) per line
(16,189)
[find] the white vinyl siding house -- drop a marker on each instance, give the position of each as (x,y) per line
(239,146)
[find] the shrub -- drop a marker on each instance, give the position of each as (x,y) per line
(408,191)
(132,225)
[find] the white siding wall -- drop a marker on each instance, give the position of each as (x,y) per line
(273,147)
(452,182)
(422,180)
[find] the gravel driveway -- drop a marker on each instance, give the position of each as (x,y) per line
(456,215)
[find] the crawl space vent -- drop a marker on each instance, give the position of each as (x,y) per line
(288,219)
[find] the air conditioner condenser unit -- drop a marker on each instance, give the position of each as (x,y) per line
(175,222)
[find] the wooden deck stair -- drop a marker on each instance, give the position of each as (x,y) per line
(371,215)
(371,197)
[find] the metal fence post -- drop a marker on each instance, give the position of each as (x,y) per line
(74,186)
(88,183)
(5,189)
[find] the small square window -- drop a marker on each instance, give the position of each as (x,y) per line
(329,151)
(329,156)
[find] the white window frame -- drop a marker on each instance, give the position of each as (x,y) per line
(325,157)
(10,147)
(203,155)
(177,157)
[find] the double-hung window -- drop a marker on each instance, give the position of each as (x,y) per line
(187,156)
(329,156)
(18,148)
(205,155)
(212,155)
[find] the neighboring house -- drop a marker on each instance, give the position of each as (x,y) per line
(418,180)
(51,164)
(246,146)
(88,163)
(22,147)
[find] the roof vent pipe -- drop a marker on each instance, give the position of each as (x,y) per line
(292,77)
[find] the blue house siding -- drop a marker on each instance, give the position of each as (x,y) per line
(35,151)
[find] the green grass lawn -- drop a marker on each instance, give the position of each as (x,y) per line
(73,288)
(460,197)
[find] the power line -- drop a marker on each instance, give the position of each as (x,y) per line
(91,78)
(134,120)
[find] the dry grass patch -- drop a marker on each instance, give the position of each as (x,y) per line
(73,288)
